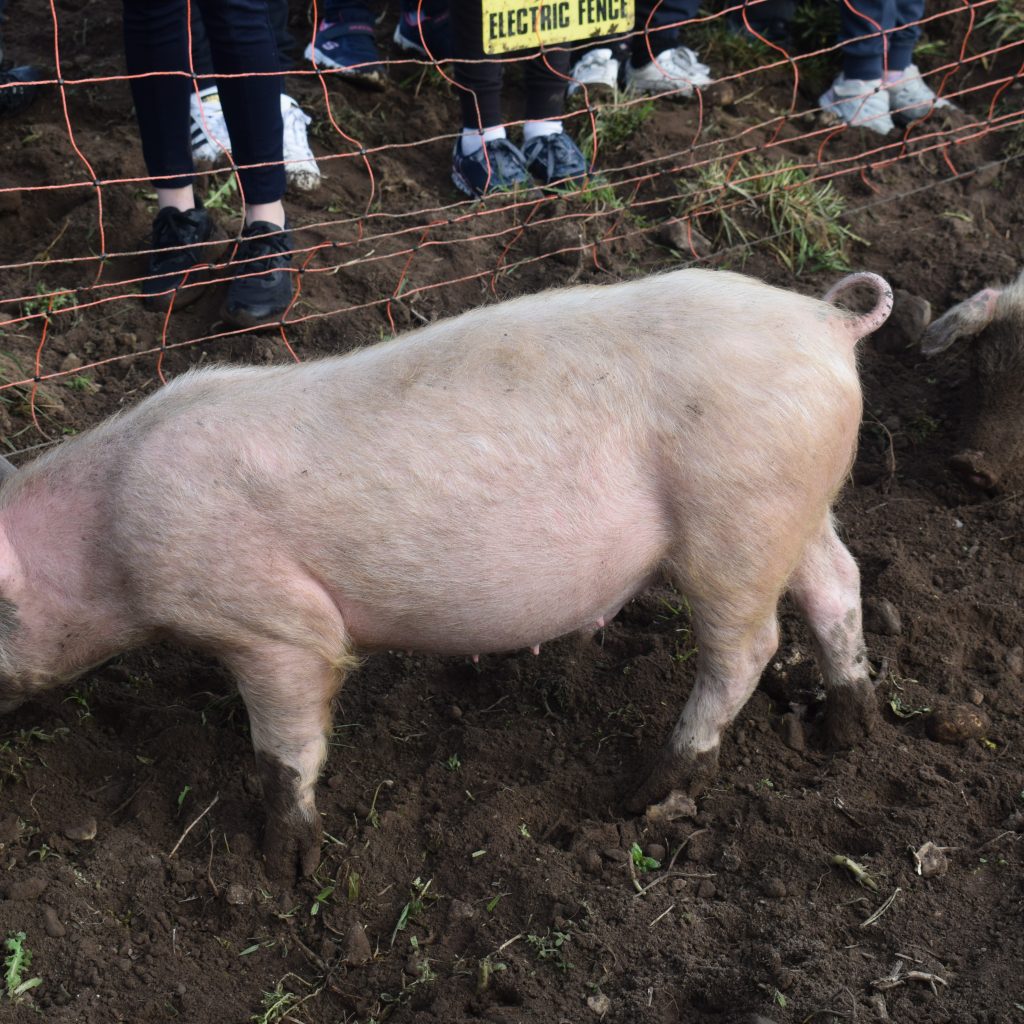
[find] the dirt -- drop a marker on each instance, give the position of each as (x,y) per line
(478,863)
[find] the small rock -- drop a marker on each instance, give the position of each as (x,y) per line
(613,853)
(675,806)
(599,1003)
(976,697)
(461,910)
(656,851)
(706,889)
(28,889)
(774,887)
(675,234)
(357,946)
(83,831)
(957,724)
(337,782)
(242,844)
(590,860)
(910,316)
(10,830)
(1015,661)
(52,924)
(719,94)
(882,616)
(931,861)
(454,713)
(236,895)
(792,732)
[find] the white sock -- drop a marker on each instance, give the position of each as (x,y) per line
(473,139)
(538,129)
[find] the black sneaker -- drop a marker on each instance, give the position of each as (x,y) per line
(262,287)
(556,160)
(177,237)
(19,88)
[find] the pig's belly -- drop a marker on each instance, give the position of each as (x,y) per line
(490,599)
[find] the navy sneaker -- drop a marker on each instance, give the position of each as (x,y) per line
(347,46)
(20,90)
(177,237)
(436,34)
(507,169)
(555,160)
(262,287)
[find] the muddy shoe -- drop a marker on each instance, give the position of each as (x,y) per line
(262,287)
(177,238)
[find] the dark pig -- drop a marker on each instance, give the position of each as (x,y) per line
(481,484)
(994,320)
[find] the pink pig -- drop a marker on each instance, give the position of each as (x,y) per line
(482,484)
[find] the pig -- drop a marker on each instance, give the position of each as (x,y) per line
(481,484)
(994,319)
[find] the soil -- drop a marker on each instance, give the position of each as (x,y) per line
(478,864)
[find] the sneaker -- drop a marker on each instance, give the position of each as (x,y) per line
(911,98)
(428,35)
(177,237)
(299,163)
(598,70)
(207,127)
(678,71)
(262,288)
(555,159)
(19,90)
(862,103)
(507,169)
(348,47)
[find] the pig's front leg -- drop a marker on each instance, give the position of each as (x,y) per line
(826,588)
(734,647)
(288,691)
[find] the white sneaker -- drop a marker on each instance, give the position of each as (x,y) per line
(678,71)
(299,163)
(209,131)
(862,103)
(598,70)
(910,97)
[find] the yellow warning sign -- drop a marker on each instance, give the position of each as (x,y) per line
(521,24)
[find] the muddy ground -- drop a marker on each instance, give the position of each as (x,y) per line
(478,863)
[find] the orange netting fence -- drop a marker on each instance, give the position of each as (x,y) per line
(975,58)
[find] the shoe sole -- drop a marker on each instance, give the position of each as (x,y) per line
(371,80)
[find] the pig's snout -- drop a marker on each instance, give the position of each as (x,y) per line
(971,466)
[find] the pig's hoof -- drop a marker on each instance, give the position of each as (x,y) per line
(851,715)
(675,775)
(291,848)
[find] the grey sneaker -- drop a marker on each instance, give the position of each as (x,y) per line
(678,71)
(860,103)
(911,98)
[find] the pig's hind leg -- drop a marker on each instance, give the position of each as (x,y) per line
(826,588)
(735,639)
(288,691)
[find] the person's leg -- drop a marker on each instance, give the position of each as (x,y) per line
(551,155)
(910,97)
(248,78)
(659,64)
(483,159)
(857,96)
(156,39)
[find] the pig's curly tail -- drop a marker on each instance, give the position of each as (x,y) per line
(861,325)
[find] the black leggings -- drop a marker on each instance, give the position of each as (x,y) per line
(481,83)
(242,43)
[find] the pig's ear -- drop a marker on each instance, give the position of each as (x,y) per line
(966,320)
(6,469)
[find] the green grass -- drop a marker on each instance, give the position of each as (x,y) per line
(614,125)
(16,965)
(799,220)
(1005,22)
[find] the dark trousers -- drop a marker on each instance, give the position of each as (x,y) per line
(202,58)
(864,59)
(481,83)
(241,43)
